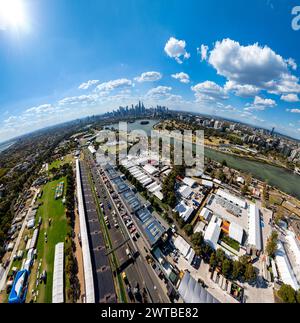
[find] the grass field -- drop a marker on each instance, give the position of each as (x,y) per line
(3,171)
(57,163)
(56,232)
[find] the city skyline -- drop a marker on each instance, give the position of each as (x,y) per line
(214,69)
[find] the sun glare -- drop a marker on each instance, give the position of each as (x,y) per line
(12,14)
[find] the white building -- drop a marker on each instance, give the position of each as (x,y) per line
(184,211)
(254,228)
(189,181)
(213,231)
(185,191)
(206,213)
(232,198)
(92,149)
(184,248)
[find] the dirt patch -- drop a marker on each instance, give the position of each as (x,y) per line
(78,255)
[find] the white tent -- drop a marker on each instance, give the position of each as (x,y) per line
(192,292)
(254,228)
(284,267)
(150,169)
(58,274)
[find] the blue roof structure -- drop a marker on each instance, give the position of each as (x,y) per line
(120,185)
(150,226)
(112,173)
(132,201)
(19,288)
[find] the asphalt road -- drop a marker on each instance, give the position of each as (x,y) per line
(117,236)
(150,280)
(102,273)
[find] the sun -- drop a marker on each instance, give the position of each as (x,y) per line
(12,14)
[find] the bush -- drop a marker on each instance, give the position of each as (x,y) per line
(287,294)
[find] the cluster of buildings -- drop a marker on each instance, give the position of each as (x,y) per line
(138,110)
(147,173)
(149,226)
(262,139)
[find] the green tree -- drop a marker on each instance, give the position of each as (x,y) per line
(213,260)
(197,239)
(188,229)
(220,255)
(226,267)
(250,273)
(298,296)
(287,294)
(272,244)
(238,270)
(224,163)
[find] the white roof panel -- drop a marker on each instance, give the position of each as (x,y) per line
(285,270)
(232,198)
(254,228)
(192,292)
(236,232)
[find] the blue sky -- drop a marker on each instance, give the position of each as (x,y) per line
(64,59)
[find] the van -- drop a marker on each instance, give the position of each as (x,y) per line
(128,253)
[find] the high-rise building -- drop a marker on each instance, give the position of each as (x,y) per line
(273,131)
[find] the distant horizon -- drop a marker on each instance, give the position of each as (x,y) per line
(172,110)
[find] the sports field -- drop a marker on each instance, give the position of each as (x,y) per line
(56,232)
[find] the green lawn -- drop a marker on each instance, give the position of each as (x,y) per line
(56,233)
(231,243)
(57,163)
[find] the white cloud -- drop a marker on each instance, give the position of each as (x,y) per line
(88,84)
(260,104)
(293,110)
(203,51)
(148,77)
(10,120)
(159,92)
(43,108)
(292,63)
(175,48)
(255,66)
(114,84)
(290,98)
(241,90)
(209,91)
(287,84)
(81,99)
(182,77)
(264,102)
